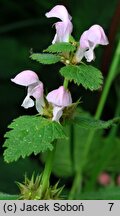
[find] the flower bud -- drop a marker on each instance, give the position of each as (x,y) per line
(59,98)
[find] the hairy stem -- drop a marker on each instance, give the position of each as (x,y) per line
(111,75)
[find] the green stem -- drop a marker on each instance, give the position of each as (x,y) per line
(65,83)
(117,113)
(47,171)
(77,181)
(111,76)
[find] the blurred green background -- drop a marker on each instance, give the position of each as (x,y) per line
(23,26)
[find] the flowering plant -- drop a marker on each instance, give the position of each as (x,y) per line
(56,113)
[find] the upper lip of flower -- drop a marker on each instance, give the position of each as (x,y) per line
(30,79)
(63,27)
(93,36)
(88,41)
(59,98)
(26,78)
(59,11)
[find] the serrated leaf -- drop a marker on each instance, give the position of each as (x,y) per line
(60,47)
(30,134)
(45,58)
(91,123)
(88,76)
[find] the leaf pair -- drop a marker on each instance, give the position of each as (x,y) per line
(48,58)
(35,134)
(88,76)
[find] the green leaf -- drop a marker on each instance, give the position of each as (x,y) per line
(102,194)
(60,47)
(4,196)
(91,123)
(88,76)
(45,58)
(31,134)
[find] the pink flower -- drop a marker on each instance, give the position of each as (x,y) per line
(88,41)
(59,98)
(30,79)
(64,27)
(104,179)
(118,180)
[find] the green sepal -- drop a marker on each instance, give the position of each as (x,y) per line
(30,189)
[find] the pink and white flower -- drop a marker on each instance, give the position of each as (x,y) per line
(30,79)
(63,27)
(59,98)
(88,41)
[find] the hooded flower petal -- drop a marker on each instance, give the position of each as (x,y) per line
(88,41)
(26,78)
(60,97)
(64,28)
(59,11)
(93,36)
(97,35)
(35,89)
